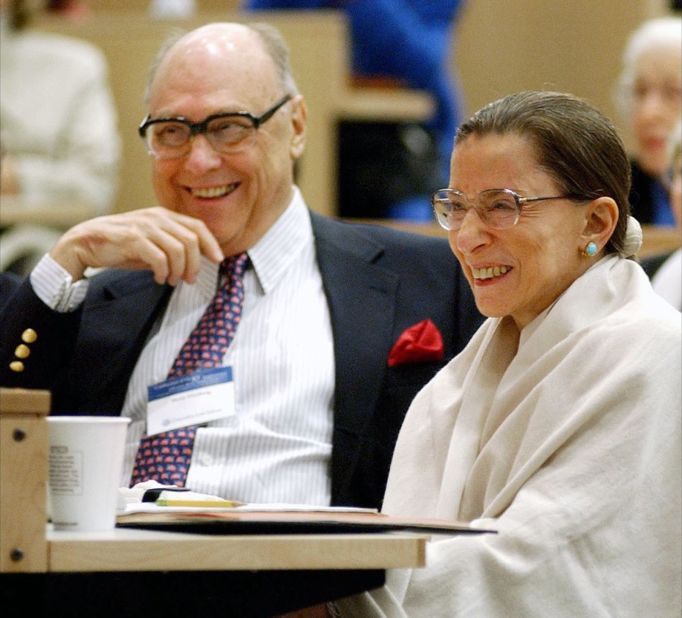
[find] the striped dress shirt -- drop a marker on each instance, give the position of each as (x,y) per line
(277,445)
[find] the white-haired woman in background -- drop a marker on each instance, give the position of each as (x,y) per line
(649,96)
(667,281)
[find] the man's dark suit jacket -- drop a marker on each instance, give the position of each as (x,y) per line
(378,282)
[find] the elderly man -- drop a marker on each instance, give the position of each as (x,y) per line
(305,338)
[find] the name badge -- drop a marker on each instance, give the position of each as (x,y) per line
(203,396)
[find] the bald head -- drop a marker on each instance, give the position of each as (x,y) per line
(230,44)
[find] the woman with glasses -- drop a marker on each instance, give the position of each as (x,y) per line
(559,424)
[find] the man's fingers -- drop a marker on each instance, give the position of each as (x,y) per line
(208,245)
(168,243)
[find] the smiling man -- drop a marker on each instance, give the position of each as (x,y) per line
(301,395)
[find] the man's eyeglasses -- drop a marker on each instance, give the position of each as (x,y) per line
(171,138)
(498,208)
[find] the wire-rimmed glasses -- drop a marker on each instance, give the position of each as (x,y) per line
(498,208)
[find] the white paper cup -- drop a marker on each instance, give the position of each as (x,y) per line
(85,461)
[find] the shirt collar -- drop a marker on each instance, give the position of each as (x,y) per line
(274,253)
(281,245)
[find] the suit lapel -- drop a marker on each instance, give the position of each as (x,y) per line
(361,297)
(115,326)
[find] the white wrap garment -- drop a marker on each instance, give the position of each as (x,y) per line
(570,447)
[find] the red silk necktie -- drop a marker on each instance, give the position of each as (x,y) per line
(165,457)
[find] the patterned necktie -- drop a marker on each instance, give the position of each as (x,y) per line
(165,457)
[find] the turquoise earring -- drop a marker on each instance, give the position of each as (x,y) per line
(590,249)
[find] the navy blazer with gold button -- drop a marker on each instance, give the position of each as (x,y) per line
(378,282)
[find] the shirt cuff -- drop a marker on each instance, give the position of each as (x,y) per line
(55,287)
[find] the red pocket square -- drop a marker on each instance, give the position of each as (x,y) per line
(419,343)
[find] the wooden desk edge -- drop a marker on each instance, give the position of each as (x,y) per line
(138,550)
(23,479)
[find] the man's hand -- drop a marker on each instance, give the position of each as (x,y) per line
(157,239)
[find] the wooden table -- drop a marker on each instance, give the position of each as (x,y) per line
(146,573)
(146,550)
(141,572)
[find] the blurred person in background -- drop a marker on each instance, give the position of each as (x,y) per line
(389,169)
(58,128)
(649,96)
(667,280)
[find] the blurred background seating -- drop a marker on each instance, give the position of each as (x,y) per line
(388,167)
(58,132)
(500,47)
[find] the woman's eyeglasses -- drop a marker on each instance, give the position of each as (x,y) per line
(498,208)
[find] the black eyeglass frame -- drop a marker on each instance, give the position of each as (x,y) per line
(197,128)
(520,201)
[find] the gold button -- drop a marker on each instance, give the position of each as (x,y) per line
(29,335)
(22,351)
(16,366)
